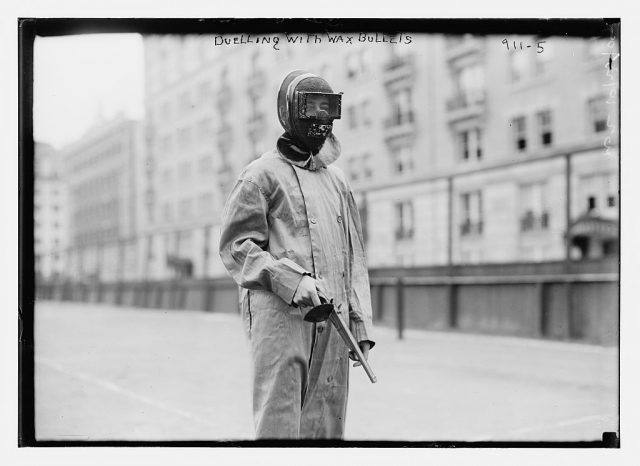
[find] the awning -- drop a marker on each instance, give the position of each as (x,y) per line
(594,227)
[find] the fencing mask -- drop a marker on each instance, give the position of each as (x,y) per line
(307,107)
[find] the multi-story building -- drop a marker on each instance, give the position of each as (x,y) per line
(50,214)
(209,111)
(101,172)
(459,149)
(499,152)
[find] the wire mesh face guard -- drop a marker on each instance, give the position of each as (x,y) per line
(319,105)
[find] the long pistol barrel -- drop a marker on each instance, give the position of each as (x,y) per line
(347,337)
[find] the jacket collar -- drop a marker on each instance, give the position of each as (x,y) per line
(328,153)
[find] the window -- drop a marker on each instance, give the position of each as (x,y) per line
(358,63)
(402,159)
(545,132)
(401,111)
(205,203)
(534,212)
(185,171)
(367,171)
(185,137)
(520,65)
(184,102)
(404,219)
(366,58)
(520,133)
(469,84)
(205,165)
(186,206)
(352,65)
(471,213)
(167,212)
(204,92)
(360,167)
(598,114)
(354,171)
(166,177)
(167,145)
(542,59)
(204,130)
(366,113)
(470,144)
(599,192)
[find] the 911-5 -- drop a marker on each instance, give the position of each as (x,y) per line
(539,48)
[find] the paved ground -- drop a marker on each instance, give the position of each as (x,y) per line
(104,372)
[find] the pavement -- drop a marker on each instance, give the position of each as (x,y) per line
(113,373)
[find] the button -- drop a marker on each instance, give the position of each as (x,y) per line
(312,220)
(320,329)
(330,379)
(339,218)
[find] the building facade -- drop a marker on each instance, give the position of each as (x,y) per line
(50,214)
(101,171)
(460,150)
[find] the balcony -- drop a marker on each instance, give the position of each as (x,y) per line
(399,70)
(404,234)
(400,125)
(463,106)
(469,228)
(532,222)
(461,46)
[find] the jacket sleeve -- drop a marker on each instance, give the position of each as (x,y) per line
(243,239)
(360,313)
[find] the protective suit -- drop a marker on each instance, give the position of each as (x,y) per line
(291,213)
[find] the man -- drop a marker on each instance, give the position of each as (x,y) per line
(291,234)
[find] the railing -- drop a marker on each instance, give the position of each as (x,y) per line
(530,222)
(404,234)
(397,61)
(460,101)
(533,300)
(399,119)
(468,228)
(576,301)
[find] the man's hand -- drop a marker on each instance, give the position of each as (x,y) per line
(364,347)
(307,292)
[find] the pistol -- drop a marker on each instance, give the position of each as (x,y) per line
(327,311)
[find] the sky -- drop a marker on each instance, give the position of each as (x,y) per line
(79,78)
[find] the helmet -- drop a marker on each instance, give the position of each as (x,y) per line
(307,107)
